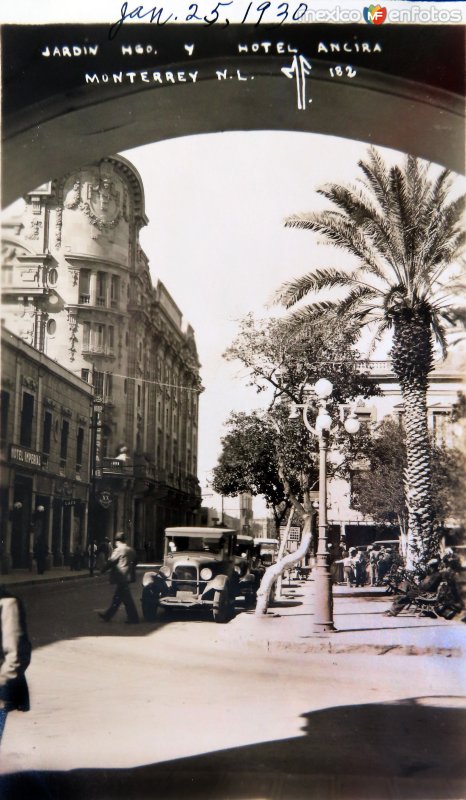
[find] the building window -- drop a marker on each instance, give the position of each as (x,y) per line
(47,432)
(79,447)
(52,276)
(114,291)
(51,327)
(86,335)
(5,399)
(98,379)
(65,430)
(125,386)
(100,335)
(140,351)
(27,414)
(109,385)
(84,286)
(85,375)
(101,288)
(111,337)
(139,396)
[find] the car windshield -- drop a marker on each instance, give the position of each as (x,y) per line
(177,544)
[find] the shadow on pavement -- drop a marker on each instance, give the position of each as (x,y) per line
(409,749)
(57,612)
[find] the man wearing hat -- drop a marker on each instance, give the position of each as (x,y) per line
(122,564)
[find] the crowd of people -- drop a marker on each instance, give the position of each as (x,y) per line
(362,566)
(435,591)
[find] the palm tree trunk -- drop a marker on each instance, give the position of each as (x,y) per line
(412,362)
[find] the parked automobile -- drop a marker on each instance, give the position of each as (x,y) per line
(394,544)
(267,550)
(245,566)
(200,569)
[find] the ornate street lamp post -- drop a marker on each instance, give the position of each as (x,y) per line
(323,599)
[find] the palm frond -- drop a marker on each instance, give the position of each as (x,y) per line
(340,231)
(363,298)
(364,214)
(454,315)
(292,292)
(438,330)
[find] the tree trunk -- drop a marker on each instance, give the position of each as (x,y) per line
(276,570)
(412,362)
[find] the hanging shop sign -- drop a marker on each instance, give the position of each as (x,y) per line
(105,499)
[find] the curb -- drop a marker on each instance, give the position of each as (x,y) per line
(42,581)
(332,648)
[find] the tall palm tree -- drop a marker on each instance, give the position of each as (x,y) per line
(404,230)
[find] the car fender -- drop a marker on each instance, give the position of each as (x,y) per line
(216,584)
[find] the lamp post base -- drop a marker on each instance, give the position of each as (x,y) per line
(323,627)
(323,600)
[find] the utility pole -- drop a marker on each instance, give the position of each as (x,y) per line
(97,408)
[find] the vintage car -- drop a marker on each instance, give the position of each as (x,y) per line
(267,550)
(200,569)
(246,567)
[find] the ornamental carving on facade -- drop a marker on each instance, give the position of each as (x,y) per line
(58,227)
(35,226)
(75,276)
(73,329)
(103,206)
(30,383)
(73,197)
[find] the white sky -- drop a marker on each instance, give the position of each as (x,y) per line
(216,205)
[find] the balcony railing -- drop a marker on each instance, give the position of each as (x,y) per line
(84,299)
(115,466)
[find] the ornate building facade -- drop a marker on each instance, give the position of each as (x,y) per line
(77,286)
(44,458)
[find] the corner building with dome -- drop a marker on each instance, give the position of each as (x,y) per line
(76,286)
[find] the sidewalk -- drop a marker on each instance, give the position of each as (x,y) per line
(361,626)
(25,577)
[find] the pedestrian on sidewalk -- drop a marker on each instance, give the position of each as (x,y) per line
(349,567)
(373,557)
(122,566)
(360,568)
(15,657)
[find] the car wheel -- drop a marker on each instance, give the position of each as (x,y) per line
(221,608)
(149,603)
(250,599)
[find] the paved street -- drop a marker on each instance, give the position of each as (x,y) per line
(187,708)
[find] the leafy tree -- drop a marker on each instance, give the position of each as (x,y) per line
(404,232)
(378,492)
(248,463)
(287,366)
